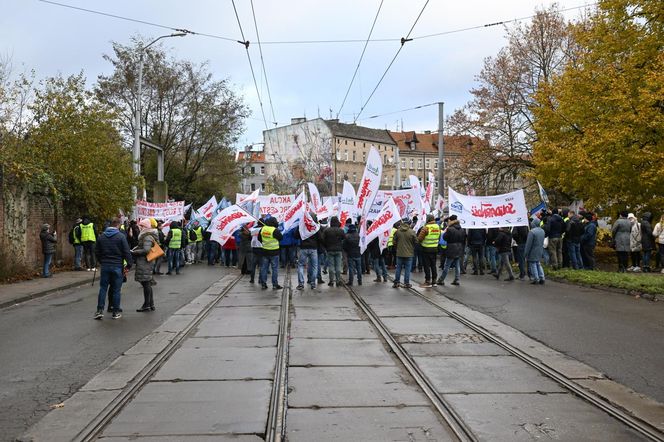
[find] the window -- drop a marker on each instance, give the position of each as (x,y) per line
(243,171)
(435,165)
(346,154)
(364,144)
(346,142)
(253,170)
(353,155)
(428,164)
(262,170)
(384,158)
(263,187)
(412,163)
(253,186)
(364,157)
(354,177)
(419,164)
(353,143)
(403,163)
(338,177)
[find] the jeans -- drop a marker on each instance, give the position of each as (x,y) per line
(521,259)
(478,258)
(354,267)
(429,260)
(273,262)
(309,258)
(380,267)
(646,259)
(48,257)
(110,276)
(536,270)
(505,262)
(212,252)
(288,255)
(78,254)
(200,249)
(555,252)
(407,264)
(334,260)
(255,262)
(449,262)
(174,260)
(491,255)
(574,251)
(322,263)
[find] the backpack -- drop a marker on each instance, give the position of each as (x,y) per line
(72,237)
(192,235)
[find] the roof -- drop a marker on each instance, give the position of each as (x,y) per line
(356,132)
(428,142)
(253,157)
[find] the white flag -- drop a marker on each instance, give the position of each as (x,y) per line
(381,225)
(294,212)
(252,197)
(347,204)
(308,227)
(370,183)
(326,209)
(207,210)
(315,196)
(228,221)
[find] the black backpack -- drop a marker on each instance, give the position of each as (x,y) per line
(192,235)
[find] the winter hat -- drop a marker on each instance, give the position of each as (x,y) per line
(153,223)
(631,215)
(145,223)
(405,220)
(430,218)
(453,218)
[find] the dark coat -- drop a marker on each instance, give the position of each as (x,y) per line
(574,230)
(476,237)
(333,238)
(352,243)
(404,241)
(520,234)
(374,248)
(503,241)
(112,248)
(647,240)
(491,236)
(456,239)
(146,240)
(48,241)
(313,242)
(589,237)
(555,226)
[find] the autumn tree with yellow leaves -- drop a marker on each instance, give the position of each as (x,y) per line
(600,123)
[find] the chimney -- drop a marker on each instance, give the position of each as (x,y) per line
(298,120)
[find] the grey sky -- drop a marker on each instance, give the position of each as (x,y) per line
(303,78)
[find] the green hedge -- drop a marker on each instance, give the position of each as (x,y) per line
(652,283)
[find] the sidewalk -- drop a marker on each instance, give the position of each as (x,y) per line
(17,292)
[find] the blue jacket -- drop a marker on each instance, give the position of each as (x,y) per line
(289,238)
(112,248)
(589,236)
(535,242)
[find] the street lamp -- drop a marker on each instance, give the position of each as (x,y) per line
(137,116)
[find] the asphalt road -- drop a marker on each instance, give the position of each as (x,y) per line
(617,334)
(51,346)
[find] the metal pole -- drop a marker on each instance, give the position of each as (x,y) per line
(397,163)
(137,125)
(441,151)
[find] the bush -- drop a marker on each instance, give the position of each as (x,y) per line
(651,283)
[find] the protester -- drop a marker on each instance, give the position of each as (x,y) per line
(455,237)
(520,236)
(270,237)
(534,251)
(48,241)
(333,238)
(174,241)
(620,232)
(647,240)
(230,252)
(588,241)
(573,233)
(351,246)
(635,245)
(404,246)
(428,238)
(88,239)
(156,266)
(308,257)
(243,250)
(476,241)
(256,255)
(554,228)
(147,238)
(288,248)
(503,244)
(658,234)
(377,258)
(322,254)
(112,248)
(490,250)
(75,240)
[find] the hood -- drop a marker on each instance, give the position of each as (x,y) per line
(152,232)
(111,231)
(453,223)
(647,216)
(334,222)
(352,228)
(403,227)
(535,223)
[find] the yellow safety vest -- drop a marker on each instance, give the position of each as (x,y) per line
(431,240)
(88,232)
(390,241)
(176,239)
(199,234)
(268,239)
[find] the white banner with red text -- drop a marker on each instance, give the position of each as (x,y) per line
(479,212)
(227,222)
(273,205)
(381,225)
(163,211)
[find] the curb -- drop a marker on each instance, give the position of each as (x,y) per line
(5,304)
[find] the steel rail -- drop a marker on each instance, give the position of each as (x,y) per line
(635,423)
(276,422)
(92,430)
(451,417)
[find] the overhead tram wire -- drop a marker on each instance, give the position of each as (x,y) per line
(357,68)
(403,41)
(260,50)
(397,112)
(245,43)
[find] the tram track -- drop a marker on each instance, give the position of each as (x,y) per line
(97,425)
(632,422)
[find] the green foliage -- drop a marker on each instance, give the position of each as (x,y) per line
(601,123)
(75,144)
(639,282)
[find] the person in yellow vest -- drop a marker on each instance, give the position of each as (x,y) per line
(270,237)
(174,244)
(88,239)
(391,257)
(75,240)
(428,237)
(198,248)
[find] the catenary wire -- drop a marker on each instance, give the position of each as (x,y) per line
(260,51)
(403,41)
(357,68)
(251,66)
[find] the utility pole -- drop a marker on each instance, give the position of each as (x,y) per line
(441,151)
(397,163)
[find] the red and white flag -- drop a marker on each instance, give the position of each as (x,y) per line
(308,227)
(207,210)
(370,183)
(252,197)
(295,211)
(228,221)
(347,203)
(381,225)
(315,196)
(440,204)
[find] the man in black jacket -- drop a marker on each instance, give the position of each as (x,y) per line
(455,237)
(112,248)
(520,235)
(333,238)
(503,243)
(308,256)
(48,241)
(476,240)
(554,229)
(573,234)
(351,246)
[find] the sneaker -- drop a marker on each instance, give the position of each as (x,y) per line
(320,281)
(359,282)
(117,315)
(349,283)
(94,269)
(509,279)
(455,282)
(407,286)
(426,285)
(251,281)
(496,275)
(384,278)
(99,314)
(300,287)
(395,285)
(378,279)
(636,269)
(264,286)
(278,287)
(313,287)
(541,281)
(534,281)
(330,284)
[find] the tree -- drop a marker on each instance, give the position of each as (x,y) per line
(195,118)
(500,111)
(600,123)
(75,144)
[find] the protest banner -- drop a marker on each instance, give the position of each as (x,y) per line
(366,193)
(479,212)
(315,196)
(347,203)
(381,225)
(273,205)
(227,222)
(207,210)
(408,202)
(294,213)
(163,211)
(308,227)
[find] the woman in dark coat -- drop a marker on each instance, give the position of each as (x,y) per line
(143,273)
(620,232)
(244,251)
